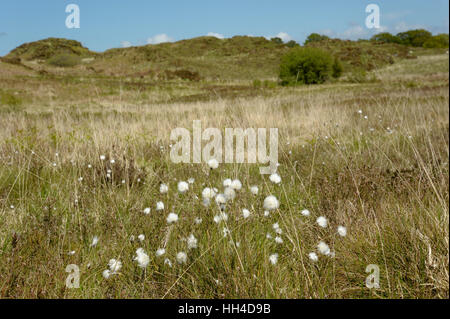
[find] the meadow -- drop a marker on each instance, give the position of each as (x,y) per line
(84,161)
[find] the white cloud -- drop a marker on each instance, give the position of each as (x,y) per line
(159,38)
(403,26)
(216,35)
(125,44)
(284,36)
(353,33)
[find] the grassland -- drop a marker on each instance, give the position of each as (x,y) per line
(384,177)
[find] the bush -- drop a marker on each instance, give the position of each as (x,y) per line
(385,37)
(306,66)
(438,41)
(315,37)
(415,38)
(337,68)
(64,60)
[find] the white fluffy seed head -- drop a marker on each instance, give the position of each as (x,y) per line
(323,248)
(275,178)
(271,203)
(181,257)
(213,163)
(322,221)
(141,237)
(142,258)
(160,252)
(273,259)
(221,199)
(183,187)
(208,193)
(342,231)
(114,265)
(313,256)
(229,193)
(172,218)
(305,212)
(159,206)
(227,182)
(246,213)
(254,190)
(163,188)
(236,184)
(147,211)
(106,273)
(192,242)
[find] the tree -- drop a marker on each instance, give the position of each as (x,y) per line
(292,44)
(415,38)
(277,40)
(385,37)
(437,41)
(315,37)
(306,65)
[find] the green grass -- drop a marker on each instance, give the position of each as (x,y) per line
(388,187)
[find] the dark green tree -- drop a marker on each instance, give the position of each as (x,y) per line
(306,65)
(315,37)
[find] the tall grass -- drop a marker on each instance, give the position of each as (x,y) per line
(385,178)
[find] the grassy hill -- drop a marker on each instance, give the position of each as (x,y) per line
(238,58)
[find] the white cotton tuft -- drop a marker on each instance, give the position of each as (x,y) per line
(271,203)
(275,178)
(192,242)
(254,190)
(160,252)
(227,182)
(323,248)
(208,193)
(181,257)
(142,258)
(246,213)
(163,188)
(183,187)
(236,184)
(213,163)
(322,221)
(172,218)
(147,211)
(342,231)
(313,256)
(305,212)
(159,206)
(273,259)
(229,193)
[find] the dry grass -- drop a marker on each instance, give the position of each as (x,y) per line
(389,187)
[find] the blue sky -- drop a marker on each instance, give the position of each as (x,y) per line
(107,24)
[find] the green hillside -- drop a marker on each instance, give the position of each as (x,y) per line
(209,58)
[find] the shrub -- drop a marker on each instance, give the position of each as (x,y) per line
(306,66)
(315,37)
(257,83)
(292,44)
(385,37)
(337,68)
(64,60)
(415,38)
(438,41)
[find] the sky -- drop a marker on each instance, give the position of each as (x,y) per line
(112,24)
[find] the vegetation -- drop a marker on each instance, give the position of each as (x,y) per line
(308,66)
(64,60)
(415,38)
(84,151)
